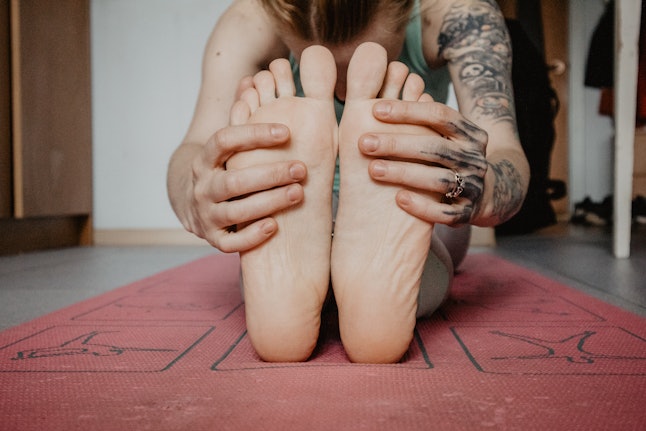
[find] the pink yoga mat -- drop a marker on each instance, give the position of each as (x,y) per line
(510,350)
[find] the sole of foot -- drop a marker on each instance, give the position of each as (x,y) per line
(286,279)
(379,250)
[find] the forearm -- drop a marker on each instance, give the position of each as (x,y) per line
(505,187)
(179,180)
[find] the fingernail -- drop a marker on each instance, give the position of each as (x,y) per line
(370,143)
(383,108)
(404,198)
(378,169)
(278,132)
(294,193)
(267,227)
(297,172)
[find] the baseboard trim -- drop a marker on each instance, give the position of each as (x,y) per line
(480,237)
(134,237)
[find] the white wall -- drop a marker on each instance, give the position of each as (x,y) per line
(146,60)
(591,135)
(146,69)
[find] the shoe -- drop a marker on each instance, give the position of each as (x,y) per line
(639,210)
(590,213)
(580,211)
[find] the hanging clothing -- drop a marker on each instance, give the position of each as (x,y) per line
(600,64)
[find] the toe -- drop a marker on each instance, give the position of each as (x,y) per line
(240,113)
(283,77)
(395,78)
(366,71)
(413,88)
(265,85)
(425,98)
(318,72)
(251,98)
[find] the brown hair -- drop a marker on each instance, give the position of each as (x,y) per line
(334,21)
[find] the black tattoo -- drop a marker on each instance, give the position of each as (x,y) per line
(508,193)
(463,216)
(473,188)
(474,38)
(469,131)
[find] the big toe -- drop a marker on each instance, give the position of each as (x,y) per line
(366,71)
(318,72)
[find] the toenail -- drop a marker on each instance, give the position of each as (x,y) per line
(383,109)
(378,169)
(370,143)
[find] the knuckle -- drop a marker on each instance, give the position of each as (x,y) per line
(390,143)
(226,215)
(214,238)
(446,185)
(481,135)
(232,185)
(224,143)
(276,176)
(200,193)
(219,140)
(440,112)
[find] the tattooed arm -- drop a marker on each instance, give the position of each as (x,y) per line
(474,41)
(480,142)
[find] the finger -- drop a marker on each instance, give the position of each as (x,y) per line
(413,175)
(430,208)
(422,113)
(256,206)
(438,116)
(245,239)
(430,148)
(459,156)
(234,139)
(240,182)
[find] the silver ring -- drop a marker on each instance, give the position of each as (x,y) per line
(458,189)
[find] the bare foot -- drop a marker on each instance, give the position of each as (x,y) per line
(379,250)
(286,279)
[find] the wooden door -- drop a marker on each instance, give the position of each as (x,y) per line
(555,24)
(554,15)
(52,149)
(6,183)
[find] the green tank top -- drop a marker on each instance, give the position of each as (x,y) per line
(436,80)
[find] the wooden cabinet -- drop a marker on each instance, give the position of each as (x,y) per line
(46,152)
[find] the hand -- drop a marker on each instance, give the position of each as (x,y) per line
(222,199)
(426,165)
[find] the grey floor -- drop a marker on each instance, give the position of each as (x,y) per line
(37,283)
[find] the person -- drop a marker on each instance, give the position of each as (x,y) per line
(344,163)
